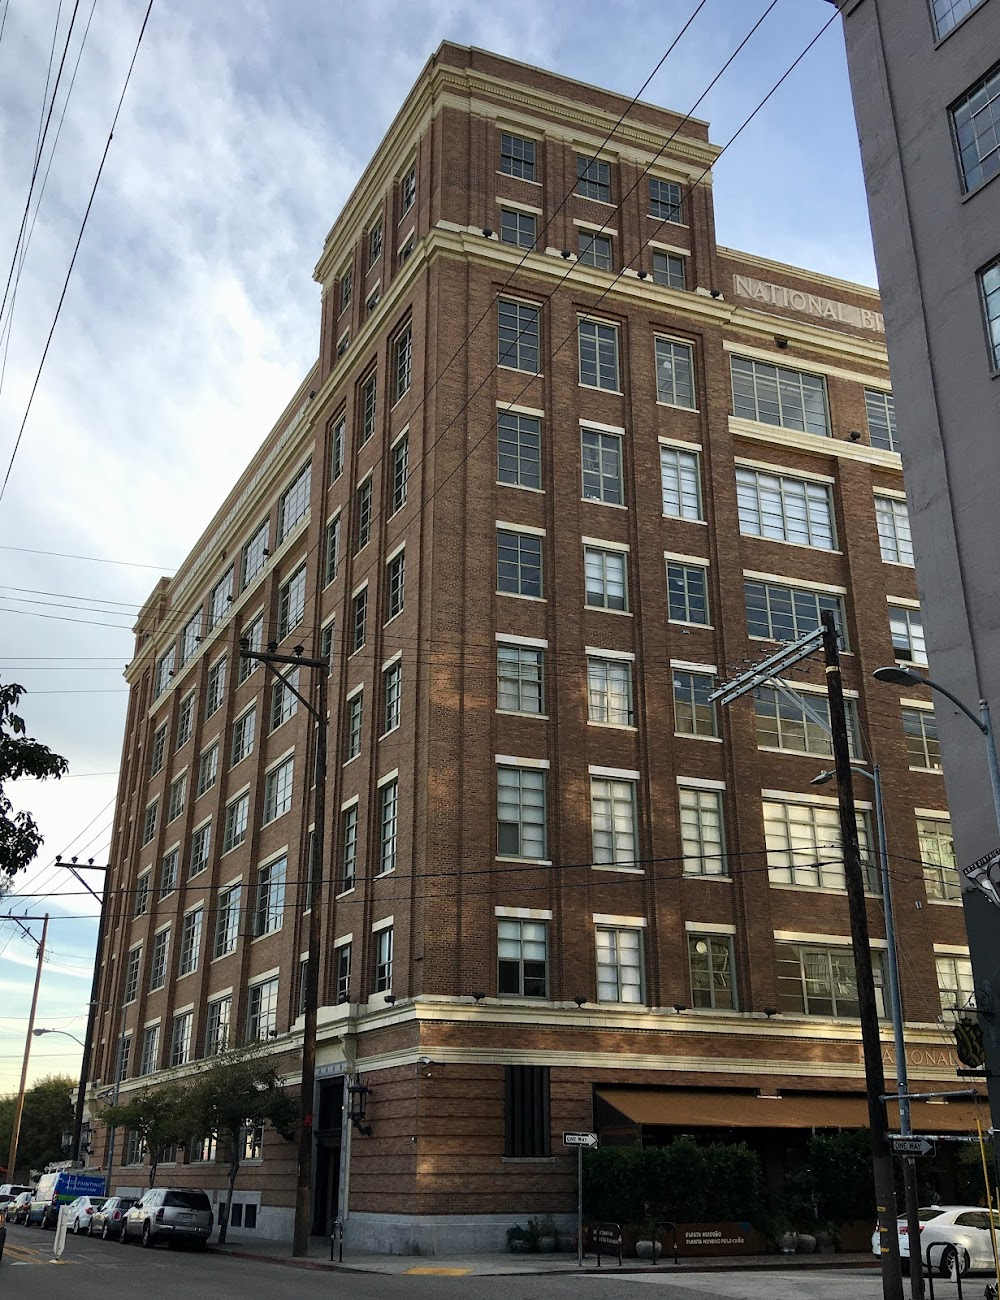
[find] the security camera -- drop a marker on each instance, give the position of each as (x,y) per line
(425,1061)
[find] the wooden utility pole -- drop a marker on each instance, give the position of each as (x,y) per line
(15,1131)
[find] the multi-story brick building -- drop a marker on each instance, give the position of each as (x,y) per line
(561,465)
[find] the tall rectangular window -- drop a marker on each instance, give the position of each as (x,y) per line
(201,842)
(383,960)
(392,687)
(593,178)
(149,1059)
(131,989)
(349,862)
(923,749)
(601,455)
(609,691)
(956,984)
(612,819)
(215,688)
(702,834)
(227,921)
(606,578)
(375,243)
(947,13)
(521,813)
(402,350)
(518,335)
(680,483)
(278,791)
(521,958)
(326,643)
(785,509)
(190,637)
(284,701)
(367,408)
(975,120)
(237,814)
(937,855)
(519,563)
(190,945)
(595,250)
(149,821)
(804,847)
(269,905)
(400,471)
(779,613)
(517,228)
(185,720)
(294,502)
(352,733)
(675,373)
(776,395)
(408,190)
(388,814)
(664,200)
(346,283)
(687,593)
(175,803)
(527,1122)
(880,408)
(907,627)
(799,722)
(253,635)
(165,669)
(519,450)
(989,291)
(254,555)
(343,969)
(395,583)
(520,679)
(220,598)
(338,439)
(243,735)
(816,980)
(217,1025)
(292,602)
(669,269)
(517,156)
(180,1039)
(168,872)
(598,344)
(158,960)
(262,1011)
(619,965)
(363,516)
(332,551)
(710,961)
(694,713)
(893,522)
(359,620)
(157,750)
(141,905)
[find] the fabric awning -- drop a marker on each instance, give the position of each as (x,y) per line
(705,1108)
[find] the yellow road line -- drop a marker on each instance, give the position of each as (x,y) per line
(438,1272)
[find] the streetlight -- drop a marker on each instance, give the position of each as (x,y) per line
(64,1032)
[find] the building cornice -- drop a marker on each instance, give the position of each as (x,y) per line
(799,272)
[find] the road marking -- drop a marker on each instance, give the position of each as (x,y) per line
(21,1255)
(438,1272)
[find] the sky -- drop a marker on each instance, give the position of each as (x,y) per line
(191,314)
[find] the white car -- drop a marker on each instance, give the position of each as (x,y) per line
(958,1236)
(78,1212)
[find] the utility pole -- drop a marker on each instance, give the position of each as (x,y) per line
(15,1131)
(304,1173)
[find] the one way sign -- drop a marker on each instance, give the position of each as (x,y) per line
(911,1146)
(580,1139)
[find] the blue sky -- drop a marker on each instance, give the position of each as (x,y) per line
(192,313)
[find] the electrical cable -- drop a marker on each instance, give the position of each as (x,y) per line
(92,559)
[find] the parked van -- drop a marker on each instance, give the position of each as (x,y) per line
(54,1190)
(10,1191)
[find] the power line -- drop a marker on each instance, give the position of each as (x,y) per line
(92,559)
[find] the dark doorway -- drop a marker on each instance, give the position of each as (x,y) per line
(326,1187)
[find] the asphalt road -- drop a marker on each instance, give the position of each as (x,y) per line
(93,1270)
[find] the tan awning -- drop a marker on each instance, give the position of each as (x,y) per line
(704,1108)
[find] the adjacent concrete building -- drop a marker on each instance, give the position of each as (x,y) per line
(562,463)
(926,86)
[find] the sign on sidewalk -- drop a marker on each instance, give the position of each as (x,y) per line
(580,1139)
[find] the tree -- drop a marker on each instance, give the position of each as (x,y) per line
(162,1117)
(237,1094)
(20,756)
(48,1114)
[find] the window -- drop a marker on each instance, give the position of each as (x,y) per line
(955,983)
(675,373)
(702,834)
(158,960)
(337,448)
(609,691)
(208,769)
(687,593)
(517,228)
(215,687)
(669,269)
(346,281)
(383,960)
(253,1149)
(403,362)
(948,13)
(200,844)
(785,509)
(149,822)
(881,410)
(923,750)
(165,669)
(392,687)
(243,735)
(180,1039)
(352,737)
(907,627)
(220,599)
(527,1117)
(269,908)
(519,563)
(602,467)
(175,803)
(236,822)
(326,643)
(262,1012)
(350,859)
(408,190)
(227,921)
(359,620)
(185,720)
(278,791)
(131,989)
(519,450)
(606,578)
(190,946)
(821,981)
(363,516)
(255,555)
(518,335)
(680,483)
(520,679)
(375,243)
(141,905)
(369,392)
(612,819)
(190,637)
(804,847)
(593,178)
(253,634)
(521,813)
(294,502)
(400,470)
(937,853)
(694,714)
(150,1056)
(595,250)
(619,965)
(598,345)
(157,750)
(710,960)
(517,156)
(521,958)
(395,575)
(799,722)
(790,399)
(168,872)
(292,602)
(893,524)
(664,200)
(975,120)
(989,289)
(343,968)
(203,1150)
(387,822)
(779,613)
(343,343)
(284,702)
(406,250)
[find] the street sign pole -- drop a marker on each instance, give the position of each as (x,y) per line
(579,1207)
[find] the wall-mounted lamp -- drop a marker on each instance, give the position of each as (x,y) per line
(642,274)
(680,1006)
(770,1011)
(579,1000)
(357,1106)
(716,293)
(478,997)
(855,435)
(487,233)
(390,999)
(780,342)
(566,254)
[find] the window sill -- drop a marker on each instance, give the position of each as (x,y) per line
(899,564)
(603,609)
(353,759)
(520,370)
(222,956)
(610,505)
(674,406)
(680,622)
(665,221)
(392,618)
(704,875)
(540,600)
(771,640)
(232,848)
(933,771)
(258,938)
(344,892)
(681,520)
(605,203)
(944,902)
(799,546)
(527,1160)
(523,179)
(186,975)
(613,726)
(597,388)
(691,735)
(521,713)
(381,875)
(521,487)
(623,871)
(531,862)
(393,728)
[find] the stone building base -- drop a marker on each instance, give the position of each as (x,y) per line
(435,1234)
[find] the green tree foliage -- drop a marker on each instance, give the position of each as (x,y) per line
(20,756)
(162,1117)
(48,1113)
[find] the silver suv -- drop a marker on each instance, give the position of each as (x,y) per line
(170,1214)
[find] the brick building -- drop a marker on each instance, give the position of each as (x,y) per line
(561,465)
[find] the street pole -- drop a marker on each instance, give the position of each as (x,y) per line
(88,1038)
(15,1131)
(579,1210)
(878,1123)
(116,1093)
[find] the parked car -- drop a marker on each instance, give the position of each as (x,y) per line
(959,1238)
(58,1189)
(10,1191)
(170,1214)
(106,1221)
(79,1212)
(3,1229)
(17,1210)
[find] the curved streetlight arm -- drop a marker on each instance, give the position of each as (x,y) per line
(936,686)
(65,1033)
